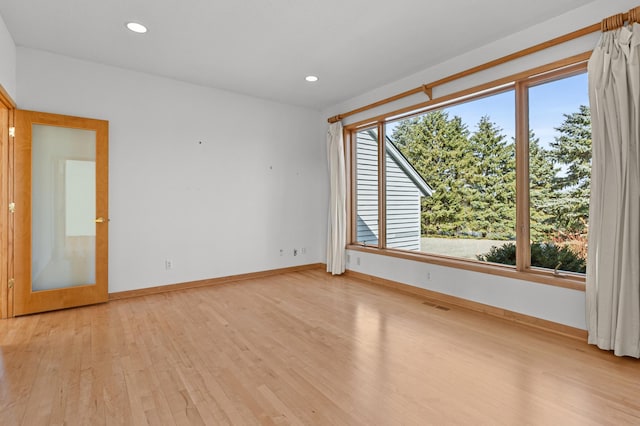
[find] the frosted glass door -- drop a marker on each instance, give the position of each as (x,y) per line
(61,214)
(63,207)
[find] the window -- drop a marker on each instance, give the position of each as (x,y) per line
(461,163)
(560,171)
(366,156)
(448,187)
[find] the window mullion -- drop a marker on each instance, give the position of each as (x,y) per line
(349,150)
(523,246)
(382,193)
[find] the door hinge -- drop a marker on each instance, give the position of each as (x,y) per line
(12,207)
(11,282)
(12,132)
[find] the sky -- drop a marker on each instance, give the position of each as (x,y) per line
(547,104)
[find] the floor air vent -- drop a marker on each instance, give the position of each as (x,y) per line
(433,305)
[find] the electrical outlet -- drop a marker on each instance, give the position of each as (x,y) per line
(348,258)
(295,252)
(281,252)
(303,250)
(168,264)
(428,276)
(357,260)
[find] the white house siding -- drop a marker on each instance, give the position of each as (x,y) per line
(403,199)
(403,209)
(367,188)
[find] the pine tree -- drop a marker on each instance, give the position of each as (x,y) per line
(543,200)
(571,150)
(493,197)
(438,148)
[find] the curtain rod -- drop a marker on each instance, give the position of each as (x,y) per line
(617,21)
(606,24)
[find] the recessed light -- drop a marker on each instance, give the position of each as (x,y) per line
(311,78)
(136,27)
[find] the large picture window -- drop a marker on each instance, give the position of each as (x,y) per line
(465,166)
(443,182)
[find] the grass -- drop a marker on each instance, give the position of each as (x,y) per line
(458,247)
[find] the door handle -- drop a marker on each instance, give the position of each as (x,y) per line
(100,220)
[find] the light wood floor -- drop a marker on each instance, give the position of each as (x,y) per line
(301,348)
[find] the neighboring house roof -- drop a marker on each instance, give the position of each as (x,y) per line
(405,166)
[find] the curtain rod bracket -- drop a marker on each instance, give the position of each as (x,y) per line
(428,91)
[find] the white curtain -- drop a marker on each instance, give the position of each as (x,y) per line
(613,264)
(337,230)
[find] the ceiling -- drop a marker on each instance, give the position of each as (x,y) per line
(265,48)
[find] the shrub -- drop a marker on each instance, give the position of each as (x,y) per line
(544,255)
(575,241)
(505,254)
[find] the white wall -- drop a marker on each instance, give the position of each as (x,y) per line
(7,60)
(551,303)
(214,181)
(561,305)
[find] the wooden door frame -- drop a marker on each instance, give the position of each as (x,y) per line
(7,108)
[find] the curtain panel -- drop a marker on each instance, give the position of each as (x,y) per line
(613,263)
(337,227)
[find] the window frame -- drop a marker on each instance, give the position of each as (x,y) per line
(520,83)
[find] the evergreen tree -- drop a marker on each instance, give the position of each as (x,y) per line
(572,151)
(542,197)
(493,182)
(438,148)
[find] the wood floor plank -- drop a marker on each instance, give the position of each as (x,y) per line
(302,348)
